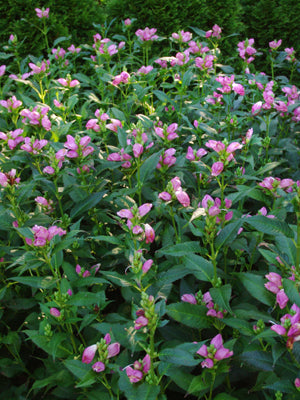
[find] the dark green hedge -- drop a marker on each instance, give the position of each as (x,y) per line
(170,16)
(66,17)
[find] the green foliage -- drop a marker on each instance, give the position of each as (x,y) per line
(66,18)
(170,16)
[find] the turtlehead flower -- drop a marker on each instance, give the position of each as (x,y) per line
(214,353)
(147,34)
(42,13)
(55,312)
(139,370)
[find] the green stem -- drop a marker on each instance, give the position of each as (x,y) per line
(174,225)
(212,384)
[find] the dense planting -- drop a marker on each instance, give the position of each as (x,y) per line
(150,219)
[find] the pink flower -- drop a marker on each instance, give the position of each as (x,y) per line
(165,196)
(137,149)
(149,233)
(42,13)
(297,383)
(217,168)
(89,354)
(98,366)
(134,375)
(113,349)
(145,70)
(54,312)
(146,34)
(127,22)
(182,197)
(144,209)
(189,298)
(2,69)
(146,266)
(140,322)
(256,108)
(275,44)
(282,299)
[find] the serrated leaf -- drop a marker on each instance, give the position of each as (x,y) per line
(270,226)
(255,286)
(178,356)
(292,291)
(61,39)
(221,296)
(77,367)
(258,359)
(188,314)
(87,204)
(46,282)
(149,166)
(199,267)
(228,233)
(180,249)
(117,278)
(163,97)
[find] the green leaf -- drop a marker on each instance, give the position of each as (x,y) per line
(228,234)
(118,114)
(224,396)
(85,299)
(46,282)
(221,296)
(181,249)
(268,167)
(178,356)
(87,380)
(117,278)
(271,226)
(148,167)
(258,359)
(142,391)
(163,97)
(109,239)
(87,204)
(192,315)
(199,267)
(198,384)
(255,286)
(292,291)
(61,39)
(77,367)
(51,380)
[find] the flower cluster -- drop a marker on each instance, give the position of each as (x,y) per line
(167,159)
(167,133)
(147,34)
(214,353)
(12,138)
(76,147)
(289,327)
(9,178)
(105,350)
(134,217)
(204,299)
(175,191)
(42,235)
(42,13)
(11,104)
(140,369)
(37,116)
(246,50)
(274,285)
(271,185)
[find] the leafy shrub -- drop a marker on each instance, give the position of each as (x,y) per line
(173,15)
